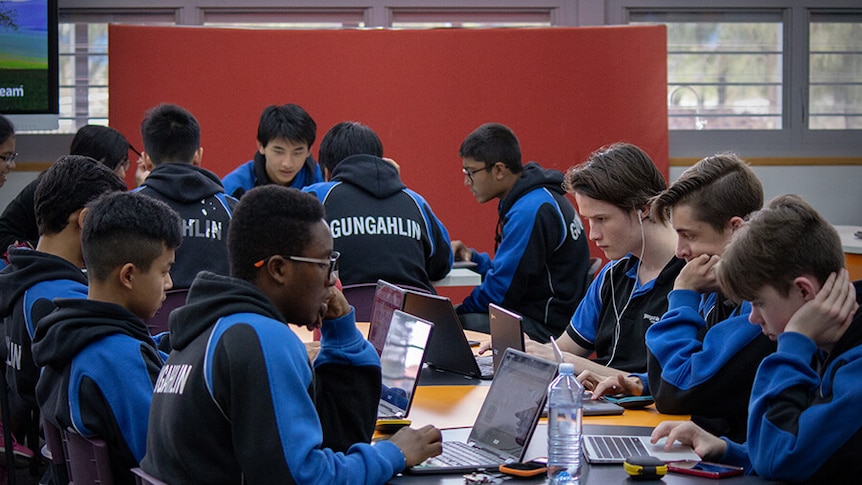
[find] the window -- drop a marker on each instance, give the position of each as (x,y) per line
(725,72)
(83,75)
(83,49)
(835,72)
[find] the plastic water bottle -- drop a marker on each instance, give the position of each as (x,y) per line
(565,414)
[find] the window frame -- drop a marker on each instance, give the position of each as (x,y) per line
(795,139)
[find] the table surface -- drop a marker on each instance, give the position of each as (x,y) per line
(460,277)
(453,407)
(849,242)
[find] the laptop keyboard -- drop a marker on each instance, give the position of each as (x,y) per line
(617,447)
(456,453)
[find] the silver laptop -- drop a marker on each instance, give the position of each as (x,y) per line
(401,362)
(615,449)
(505,332)
(505,423)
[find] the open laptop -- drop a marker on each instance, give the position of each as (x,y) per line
(615,449)
(387,299)
(400,363)
(505,332)
(448,349)
(505,423)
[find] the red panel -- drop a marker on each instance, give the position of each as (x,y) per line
(564,91)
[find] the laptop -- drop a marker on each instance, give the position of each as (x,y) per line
(400,363)
(615,449)
(506,422)
(448,349)
(505,332)
(387,299)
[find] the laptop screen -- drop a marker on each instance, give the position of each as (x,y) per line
(514,402)
(401,359)
(505,332)
(387,299)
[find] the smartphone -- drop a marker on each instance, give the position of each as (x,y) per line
(526,469)
(704,469)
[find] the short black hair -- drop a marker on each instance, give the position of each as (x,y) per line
(270,220)
(492,143)
(7,129)
(289,122)
(69,185)
(101,143)
(127,227)
(345,139)
(171,134)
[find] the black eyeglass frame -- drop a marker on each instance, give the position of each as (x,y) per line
(331,262)
(469,173)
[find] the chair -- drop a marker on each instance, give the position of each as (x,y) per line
(361,296)
(173,299)
(87,459)
(144,478)
(54,442)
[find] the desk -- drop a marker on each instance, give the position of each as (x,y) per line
(590,474)
(852,246)
(460,277)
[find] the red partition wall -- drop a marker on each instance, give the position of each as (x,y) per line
(564,91)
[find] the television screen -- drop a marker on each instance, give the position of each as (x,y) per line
(28,58)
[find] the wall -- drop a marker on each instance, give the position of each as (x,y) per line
(564,91)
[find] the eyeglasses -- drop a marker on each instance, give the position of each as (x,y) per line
(11,157)
(331,263)
(469,173)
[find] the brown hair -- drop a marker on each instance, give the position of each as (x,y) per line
(717,189)
(621,174)
(785,240)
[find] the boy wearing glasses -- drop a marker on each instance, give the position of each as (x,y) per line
(541,261)
(238,400)
(804,420)
(172,154)
(99,361)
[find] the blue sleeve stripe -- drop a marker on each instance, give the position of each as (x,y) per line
(222,198)
(49,290)
(125,383)
(423,208)
(564,230)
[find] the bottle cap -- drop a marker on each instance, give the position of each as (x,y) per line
(567,368)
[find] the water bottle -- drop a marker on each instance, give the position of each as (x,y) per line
(565,413)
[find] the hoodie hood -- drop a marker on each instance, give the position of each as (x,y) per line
(64,333)
(183,182)
(211,297)
(533,176)
(28,267)
(371,174)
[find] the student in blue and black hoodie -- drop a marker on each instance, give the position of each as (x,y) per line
(804,422)
(382,229)
(173,154)
(285,135)
(541,263)
(238,400)
(703,353)
(99,361)
(35,277)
